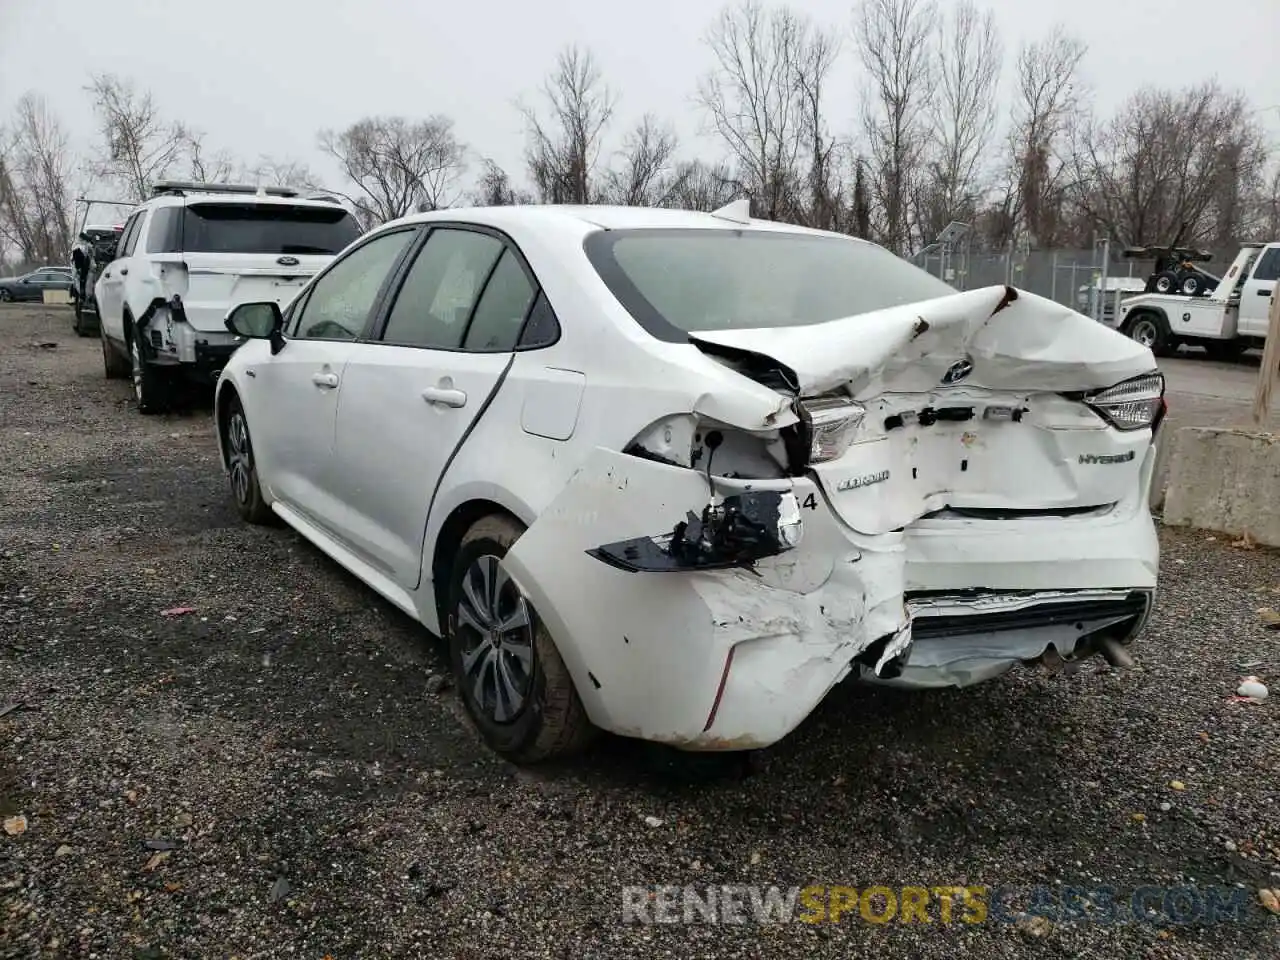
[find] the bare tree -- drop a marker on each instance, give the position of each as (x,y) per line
(35,184)
(397,165)
(564,147)
(648,175)
(1170,158)
(215,167)
(826,154)
(754,100)
(1046,104)
(961,115)
(703,186)
(893,38)
(281,172)
(494,187)
(139,146)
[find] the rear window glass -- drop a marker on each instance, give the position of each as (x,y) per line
(676,282)
(266,228)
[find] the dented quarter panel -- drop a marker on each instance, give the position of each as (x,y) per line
(657,643)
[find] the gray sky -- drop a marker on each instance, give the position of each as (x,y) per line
(262,76)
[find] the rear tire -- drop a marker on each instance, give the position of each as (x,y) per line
(152,386)
(1166,282)
(242,467)
(512,681)
(1192,286)
(115,366)
(1150,330)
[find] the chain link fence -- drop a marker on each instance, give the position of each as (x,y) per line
(1068,276)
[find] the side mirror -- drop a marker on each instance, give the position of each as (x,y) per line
(258,321)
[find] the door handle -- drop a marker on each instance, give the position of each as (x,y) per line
(124,271)
(326,380)
(444,397)
(1264,293)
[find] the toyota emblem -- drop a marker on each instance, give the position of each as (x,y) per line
(287,261)
(958,371)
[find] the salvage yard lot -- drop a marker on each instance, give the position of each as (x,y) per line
(308,791)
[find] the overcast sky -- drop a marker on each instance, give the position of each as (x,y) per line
(262,76)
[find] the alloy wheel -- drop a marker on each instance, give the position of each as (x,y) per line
(495,626)
(241,457)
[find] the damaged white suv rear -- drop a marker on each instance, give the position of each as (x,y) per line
(675,475)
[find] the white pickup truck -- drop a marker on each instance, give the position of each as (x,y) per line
(1227,322)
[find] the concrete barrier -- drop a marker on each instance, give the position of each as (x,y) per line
(1226,480)
(57,297)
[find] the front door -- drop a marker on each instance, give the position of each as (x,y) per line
(293,396)
(1255,293)
(411,397)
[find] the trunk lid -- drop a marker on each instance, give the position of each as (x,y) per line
(215,282)
(235,250)
(966,417)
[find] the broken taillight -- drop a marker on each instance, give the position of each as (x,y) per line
(1134,404)
(832,422)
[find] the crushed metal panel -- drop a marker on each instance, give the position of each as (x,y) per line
(658,643)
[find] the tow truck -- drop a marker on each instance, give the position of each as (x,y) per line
(1227,321)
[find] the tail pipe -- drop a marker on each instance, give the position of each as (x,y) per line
(1114,653)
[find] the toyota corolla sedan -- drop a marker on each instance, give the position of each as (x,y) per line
(675,475)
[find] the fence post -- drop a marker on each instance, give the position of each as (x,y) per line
(1270,360)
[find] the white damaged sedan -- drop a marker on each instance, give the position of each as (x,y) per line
(675,475)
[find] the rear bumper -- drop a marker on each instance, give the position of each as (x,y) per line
(735,659)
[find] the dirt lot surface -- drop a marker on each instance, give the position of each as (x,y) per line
(271,774)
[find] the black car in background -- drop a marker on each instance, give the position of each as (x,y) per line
(32,286)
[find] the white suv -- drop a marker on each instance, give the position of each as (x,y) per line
(186,257)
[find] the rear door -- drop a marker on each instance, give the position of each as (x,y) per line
(242,252)
(1255,293)
(292,397)
(109,290)
(411,398)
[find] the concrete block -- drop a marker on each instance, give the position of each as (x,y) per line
(1227,480)
(57,297)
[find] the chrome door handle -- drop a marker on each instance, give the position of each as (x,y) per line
(327,380)
(444,397)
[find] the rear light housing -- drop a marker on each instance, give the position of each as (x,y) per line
(1135,404)
(831,422)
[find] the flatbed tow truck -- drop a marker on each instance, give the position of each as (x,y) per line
(1227,321)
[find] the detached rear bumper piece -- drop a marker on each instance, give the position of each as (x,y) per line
(959,639)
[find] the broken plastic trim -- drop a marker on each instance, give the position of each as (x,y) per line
(733,532)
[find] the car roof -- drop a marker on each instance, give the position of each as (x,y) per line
(602,217)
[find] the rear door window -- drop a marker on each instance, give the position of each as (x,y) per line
(270,228)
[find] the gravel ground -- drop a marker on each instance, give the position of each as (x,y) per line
(272,774)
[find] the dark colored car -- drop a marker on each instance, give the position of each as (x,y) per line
(33,285)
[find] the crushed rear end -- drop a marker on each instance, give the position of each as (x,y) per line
(926,495)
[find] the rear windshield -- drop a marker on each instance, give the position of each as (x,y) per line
(679,281)
(266,228)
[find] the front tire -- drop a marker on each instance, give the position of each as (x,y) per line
(513,683)
(242,468)
(152,389)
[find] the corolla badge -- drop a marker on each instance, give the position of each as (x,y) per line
(958,371)
(287,261)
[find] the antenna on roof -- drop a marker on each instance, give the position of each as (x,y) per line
(739,211)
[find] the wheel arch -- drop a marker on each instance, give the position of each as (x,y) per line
(222,397)
(444,549)
(1144,309)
